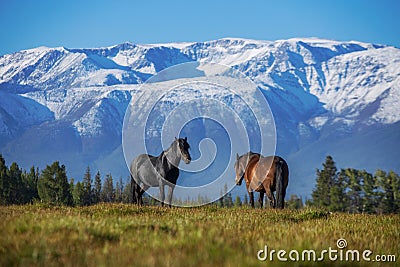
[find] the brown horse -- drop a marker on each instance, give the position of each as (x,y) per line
(263,175)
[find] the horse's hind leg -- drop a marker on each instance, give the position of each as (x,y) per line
(251,194)
(271,197)
(170,191)
(261,199)
(138,196)
(140,191)
(133,189)
(162,194)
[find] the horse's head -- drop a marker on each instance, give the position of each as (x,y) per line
(239,170)
(184,146)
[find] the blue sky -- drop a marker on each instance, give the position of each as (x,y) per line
(78,23)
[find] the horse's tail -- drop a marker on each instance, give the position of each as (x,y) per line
(280,194)
(133,190)
(133,172)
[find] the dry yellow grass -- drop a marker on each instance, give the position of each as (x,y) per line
(128,235)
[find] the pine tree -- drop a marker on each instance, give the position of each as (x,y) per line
(15,185)
(53,186)
(72,188)
(238,202)
(388,191)
(395,178)
(294,202)
(354,193)
(119,189)
(321,196)
(108,192)
(97,188)
(227,198)
(3,180)
(46,185)
(246,200)
(337,193)
(63,186)
(78,194)
(221,200)
(30,181)
(370,194)
(87,187)
(127,194)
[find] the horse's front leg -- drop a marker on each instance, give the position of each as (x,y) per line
(170,191)
(162,195)
(261,199)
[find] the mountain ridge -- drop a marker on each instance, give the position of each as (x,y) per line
(316,89)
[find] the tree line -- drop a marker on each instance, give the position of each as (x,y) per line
(355,191)
(51,185)
(347,190)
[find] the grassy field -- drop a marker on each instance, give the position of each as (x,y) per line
(128,235)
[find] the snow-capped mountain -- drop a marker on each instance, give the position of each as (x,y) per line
(327,97)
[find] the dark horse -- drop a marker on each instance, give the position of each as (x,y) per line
(263,175)
(150,171)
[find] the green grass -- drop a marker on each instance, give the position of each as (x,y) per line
(128,235)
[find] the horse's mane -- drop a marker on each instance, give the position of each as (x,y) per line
(163,153)
(250,154)
(163,156)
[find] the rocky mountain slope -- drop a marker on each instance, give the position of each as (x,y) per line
(327,97)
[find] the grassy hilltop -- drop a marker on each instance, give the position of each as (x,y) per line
(128,235)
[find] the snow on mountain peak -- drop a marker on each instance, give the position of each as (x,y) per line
(343,76)
(314,87)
